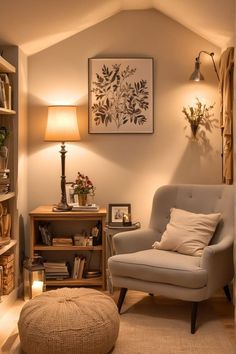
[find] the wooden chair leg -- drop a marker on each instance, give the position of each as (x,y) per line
(123,292)
(194,317)
(227,293)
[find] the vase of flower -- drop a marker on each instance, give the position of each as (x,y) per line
(82,199)
(83,187)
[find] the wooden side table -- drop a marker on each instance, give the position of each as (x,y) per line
(110,231)
(67,224)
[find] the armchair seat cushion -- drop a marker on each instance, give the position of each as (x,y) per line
(160,266)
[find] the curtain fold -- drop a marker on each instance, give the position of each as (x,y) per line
(226,69)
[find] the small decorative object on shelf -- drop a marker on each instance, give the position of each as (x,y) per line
(4,180)
(5,226)
(34,277)
(200,114)
(83,187)
(127,219)
(4,133)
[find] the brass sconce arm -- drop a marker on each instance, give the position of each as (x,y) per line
(213,61)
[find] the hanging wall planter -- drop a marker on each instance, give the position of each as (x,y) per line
(200,114)
(194,128)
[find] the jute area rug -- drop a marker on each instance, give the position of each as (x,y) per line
(157,325)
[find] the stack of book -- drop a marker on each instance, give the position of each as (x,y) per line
(78,268)
(56,270)
(8,272)
(88,208)
(5,92)
(93,274)
(4,181)
(62,241)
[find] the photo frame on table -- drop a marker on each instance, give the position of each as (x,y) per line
(116,213)
(70,197)
(120,95)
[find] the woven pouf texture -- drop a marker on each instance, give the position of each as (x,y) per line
(69,321)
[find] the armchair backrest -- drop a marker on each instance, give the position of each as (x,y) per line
(204,199)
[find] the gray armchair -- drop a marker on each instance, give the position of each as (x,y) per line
(139,267)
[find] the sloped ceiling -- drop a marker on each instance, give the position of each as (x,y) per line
(36,25)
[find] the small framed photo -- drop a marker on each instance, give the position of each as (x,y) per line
(70,193)
(116,213)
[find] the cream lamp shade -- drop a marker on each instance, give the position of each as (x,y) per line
(62,124)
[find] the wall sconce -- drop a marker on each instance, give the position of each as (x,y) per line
(197,75)
(62,126)
(34,277)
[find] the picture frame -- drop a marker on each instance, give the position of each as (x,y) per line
(70,197)
(120,95)
(116,212)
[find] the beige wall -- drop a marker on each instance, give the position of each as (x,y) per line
(124,168)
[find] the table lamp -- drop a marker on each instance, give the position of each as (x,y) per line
(62,126)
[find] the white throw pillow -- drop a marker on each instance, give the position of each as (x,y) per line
(188,233)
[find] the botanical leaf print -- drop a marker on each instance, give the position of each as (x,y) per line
(118,98)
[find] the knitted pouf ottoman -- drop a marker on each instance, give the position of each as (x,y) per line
(69,321)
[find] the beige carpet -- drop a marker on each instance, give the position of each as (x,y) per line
(156,325)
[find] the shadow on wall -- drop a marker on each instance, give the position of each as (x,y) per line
(190,168)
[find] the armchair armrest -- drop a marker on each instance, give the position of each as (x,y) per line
(134,241)
(218,261)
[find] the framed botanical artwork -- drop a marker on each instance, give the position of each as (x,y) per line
(116,213)
(120,95)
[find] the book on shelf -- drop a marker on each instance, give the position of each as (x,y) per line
(81,268)
(78,267)
(4,180)
(93,274)
(57,264)
(62,241)
(7,91)
(4,188)
(53,270)
(3,102)
(90,207)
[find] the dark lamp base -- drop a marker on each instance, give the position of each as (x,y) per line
(62,207)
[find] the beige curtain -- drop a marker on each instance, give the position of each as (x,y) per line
(226,67)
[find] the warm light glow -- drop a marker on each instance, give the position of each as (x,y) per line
(62,124)
(37,288)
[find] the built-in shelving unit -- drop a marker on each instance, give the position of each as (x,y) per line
(6,67)
(7,111)
(6,196)
(7,247)
(8,119)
